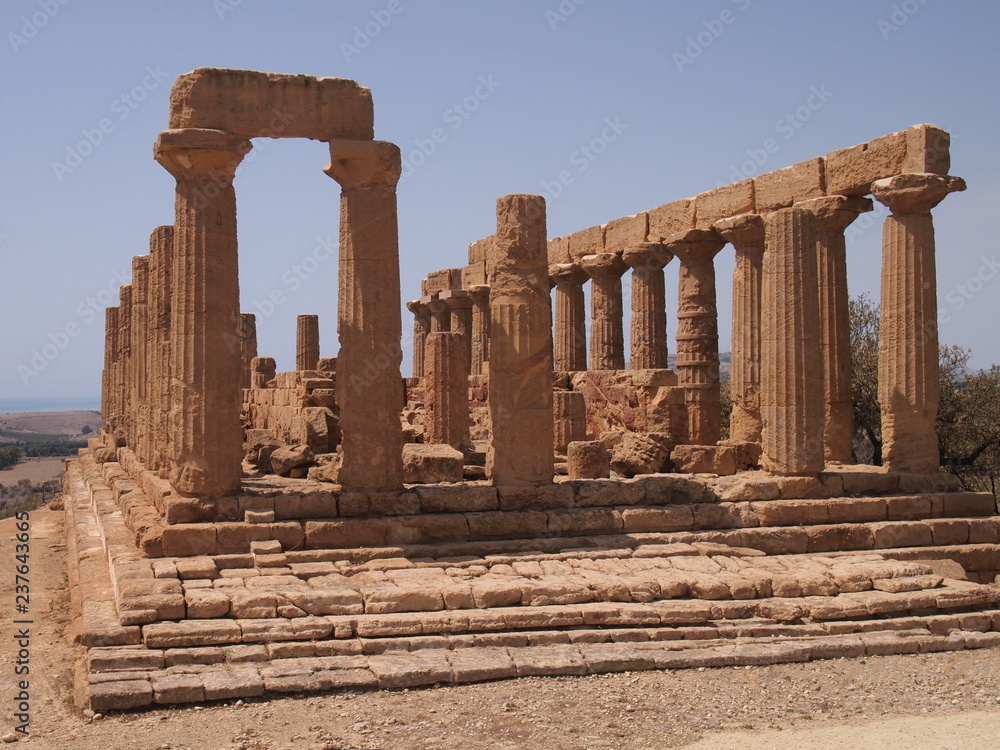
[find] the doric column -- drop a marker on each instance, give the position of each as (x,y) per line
(421,327)
(262,371)
(570,317)
(460,311)
(698,331)
(520,364)
(908,365)
(569,419)
(206,438)
(480,294)
(791,386)
(369,323)
(447,390)
(138,362)
(833,215)
(649,312)
(248,346)
(440,314)
(306,342)
(125,424)
(161,243)
(109,405)
(746,234)
(607,345)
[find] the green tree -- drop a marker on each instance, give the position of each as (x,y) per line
(864,380)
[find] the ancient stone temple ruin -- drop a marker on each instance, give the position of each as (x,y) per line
(535,499)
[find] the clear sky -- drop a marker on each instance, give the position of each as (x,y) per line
(517,90)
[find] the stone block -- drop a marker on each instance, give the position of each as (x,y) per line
(784,187)
(640,453)
(588,459)
(671,218)
(305,505)
(704,459)
(457,499)
(283,460)
(606,493)
(728,200)
(204,604)
(427,464)
(177,688)
(928,150)
(628,230)
(430,528)
(347,533)
(588,241)
(189,540)
(507,525)
(584,521)
(893,534)
(120,695)
(851,171)
(558,251)
(535,498)
(190,633)
(670,518)
(224,684)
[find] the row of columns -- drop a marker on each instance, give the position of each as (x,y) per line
(462,311)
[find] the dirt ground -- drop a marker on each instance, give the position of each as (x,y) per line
(37,470)
(69,423)
(925,702)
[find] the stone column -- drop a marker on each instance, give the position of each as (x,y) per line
(571,317)
(480,295)
(161,244)
(833,215)
(447,390)
(460,310)
(369,324)
(746,234)
(440,314)
(262,371)
(569,419)
(649,311)
(908,365)
(698,331)
(138,363)
(421,327)
(306,342)
(607,345)
(206,438)
(520,364)
(791,383)
(248,346)
(109,393)
(125,425)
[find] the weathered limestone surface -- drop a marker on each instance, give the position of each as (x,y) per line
(588,459)
(421,327)
(263,370)
(447,390)
(205,436)
(570,317)
(306,342)
(161,244)
(698,331)
(633,401)
(480,294)
(569,413)
(368,318)
(833,215)
(746,234)
(440,314)
(109,378)
(139,361)
(909,388)
(607,346)
(460,311)
(649,313)
(248,347)
(124,431)
(791,393)
(520,364)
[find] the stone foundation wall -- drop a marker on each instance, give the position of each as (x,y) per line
(297,408)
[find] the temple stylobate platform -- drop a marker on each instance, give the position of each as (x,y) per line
(524,504)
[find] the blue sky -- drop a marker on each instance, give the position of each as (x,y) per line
(515,89)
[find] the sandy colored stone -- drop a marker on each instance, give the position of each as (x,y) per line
(607,346)
(421,327)
(728,200)
(480,345)
(306,342)
(649,317)
(446,390)
(569,414)
(426,464)
(262,371)
(783,187)
(459,304)
(570,350)
(640,453)
(588,459)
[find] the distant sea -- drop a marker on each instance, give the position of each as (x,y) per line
(21,405)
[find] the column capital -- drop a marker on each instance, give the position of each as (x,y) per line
(563,274)
(189,153)
(646,256)
(744,231)
(456,299)
(694,245)
(834,213)
(415,306)
(364,164)
(603,265)
(479,293)
(915,193)
(434,303)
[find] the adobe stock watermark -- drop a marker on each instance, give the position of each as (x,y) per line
(86,313)
(786,127)
(900,16)
(714,28)
(454,117)
(223,8)
(365,33)
(583,157)
(294,277)
(122,107)
(31,26)
(562,12)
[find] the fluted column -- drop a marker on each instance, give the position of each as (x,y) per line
(369,322)
(440,314)
(125,425)
(421,328)
(746,234)
(248,347)
(480,295)
(138,362)
(908,364)
(520,364)
(570,351)
(607,344)
(447,390)
(698,331)
(833,215)
(791,396)
(161,243)
(460,313)
(649,307)
(262,371)
(206,438)
(109,405)
(306,342)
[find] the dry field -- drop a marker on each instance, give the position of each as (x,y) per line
(37,470)
(68,423)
